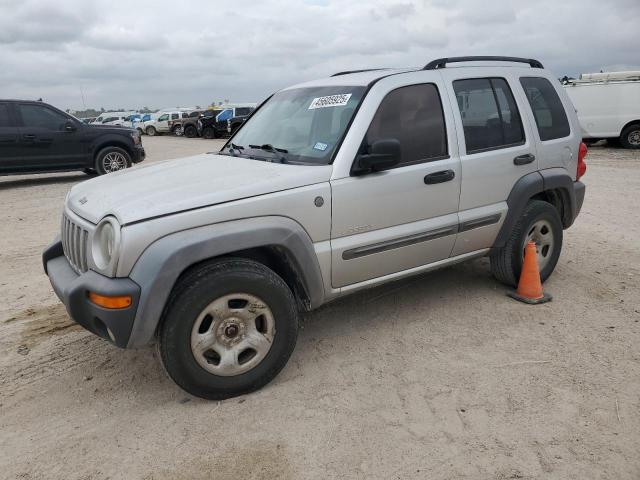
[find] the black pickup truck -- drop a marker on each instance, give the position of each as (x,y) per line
(37,138)
(223,123)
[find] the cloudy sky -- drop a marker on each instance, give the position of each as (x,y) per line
(183,53)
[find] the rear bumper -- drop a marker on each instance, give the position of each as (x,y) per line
(72,289)
(579,190)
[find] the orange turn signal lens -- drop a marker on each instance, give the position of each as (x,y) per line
(121,301)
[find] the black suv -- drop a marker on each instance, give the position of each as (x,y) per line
(38,138)
(224,122)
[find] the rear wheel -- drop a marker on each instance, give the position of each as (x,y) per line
(630,137)
(540,223)
(177,131)
(112,159)
(151,131)
(229,329)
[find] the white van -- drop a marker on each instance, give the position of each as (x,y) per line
(112,118)
(608,105)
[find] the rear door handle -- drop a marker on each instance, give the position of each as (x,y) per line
(439,177)
(29,136)
(524,159)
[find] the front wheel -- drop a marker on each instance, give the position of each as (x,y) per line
(209,133)
(190,131)
(630,137)
(229,329)
(540,223)
(112,159)
(151,131)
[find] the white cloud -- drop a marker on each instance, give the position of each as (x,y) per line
(159,53)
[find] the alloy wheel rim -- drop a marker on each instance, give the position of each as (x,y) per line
(541,233)
(114,161)
(634,137)
(233,334)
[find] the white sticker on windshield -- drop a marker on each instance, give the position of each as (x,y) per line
(330,101)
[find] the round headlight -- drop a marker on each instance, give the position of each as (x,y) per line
(106,240)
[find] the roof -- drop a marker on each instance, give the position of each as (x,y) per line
(359,78)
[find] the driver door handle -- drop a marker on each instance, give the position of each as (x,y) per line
(439,177)
(524,159)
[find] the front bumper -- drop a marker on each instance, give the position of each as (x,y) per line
(72,289)
(138,154)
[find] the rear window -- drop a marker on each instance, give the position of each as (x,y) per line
(551,119)
(489,113)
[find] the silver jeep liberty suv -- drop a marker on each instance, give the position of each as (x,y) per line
(331,186)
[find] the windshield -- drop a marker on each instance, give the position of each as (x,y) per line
(303,125)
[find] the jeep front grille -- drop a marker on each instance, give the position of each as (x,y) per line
(75,241)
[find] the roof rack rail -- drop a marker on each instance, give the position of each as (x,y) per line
(442,62)
(358,71)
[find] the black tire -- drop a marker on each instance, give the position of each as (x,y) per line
(506,262)
(193,293)
(209,133)
(190,131)
(140,131)
(90,171)
(630,136)
(101,165)
(151,131)
(177,131)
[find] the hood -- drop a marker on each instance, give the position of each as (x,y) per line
(172,186)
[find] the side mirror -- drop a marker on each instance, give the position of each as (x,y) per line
(383,154)
(70,127)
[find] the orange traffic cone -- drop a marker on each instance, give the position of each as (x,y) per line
(530,286)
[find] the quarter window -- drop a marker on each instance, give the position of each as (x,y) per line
(412,115)
(41,117)
(490,116)
(547,108)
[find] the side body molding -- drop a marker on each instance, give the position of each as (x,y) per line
(158,268)
(531,184)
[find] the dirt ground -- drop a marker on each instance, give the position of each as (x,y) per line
(440,376)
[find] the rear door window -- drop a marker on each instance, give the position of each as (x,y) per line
(551,119)
(5,118)
(489,113)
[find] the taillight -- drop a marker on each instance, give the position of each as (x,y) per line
(582,167)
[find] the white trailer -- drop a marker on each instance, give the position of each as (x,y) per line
(608,105)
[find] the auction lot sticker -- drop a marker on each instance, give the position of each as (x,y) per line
(330,101)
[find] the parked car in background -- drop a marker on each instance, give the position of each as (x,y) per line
(87,120)
(36,138)
(112,118)
(140,123)
(177,126)
(608,106)
(160,124)
(331,187)
(218,126)
(235,122)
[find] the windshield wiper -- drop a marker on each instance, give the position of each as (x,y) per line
(267,147)
(232,148)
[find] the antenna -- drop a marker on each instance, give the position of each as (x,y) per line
(82,94)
